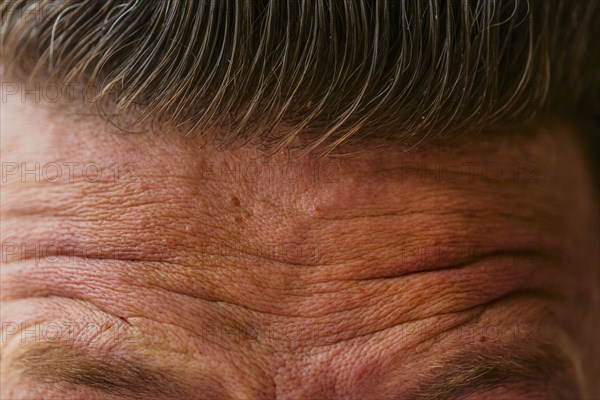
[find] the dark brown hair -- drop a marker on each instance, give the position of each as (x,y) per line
(273,71)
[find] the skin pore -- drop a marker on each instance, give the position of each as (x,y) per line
(165,270)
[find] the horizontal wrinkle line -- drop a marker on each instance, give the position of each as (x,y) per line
(540,292)
(372,333)
(225,302)
(516,293)
(122,319)
(88,303)
(265,257)
(73,258)
(415,171)
(158,262)
(233,304)
(530,254)
(453,212)
(391,214)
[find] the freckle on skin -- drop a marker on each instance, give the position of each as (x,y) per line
(235,201)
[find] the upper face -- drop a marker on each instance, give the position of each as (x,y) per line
(140,266)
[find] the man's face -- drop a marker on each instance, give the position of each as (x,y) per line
(143,266)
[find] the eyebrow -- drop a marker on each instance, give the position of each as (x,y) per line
(467,373)
(56,363)
(482,370)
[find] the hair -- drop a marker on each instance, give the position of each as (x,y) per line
(323,71)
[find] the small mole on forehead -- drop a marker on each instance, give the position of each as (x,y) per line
(235,201)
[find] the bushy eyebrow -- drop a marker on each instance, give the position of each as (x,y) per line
(55,363)
(481,370)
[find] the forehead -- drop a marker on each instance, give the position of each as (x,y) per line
(246,193)
(164,198)
(294,259)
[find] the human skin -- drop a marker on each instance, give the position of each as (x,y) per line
(242,276)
